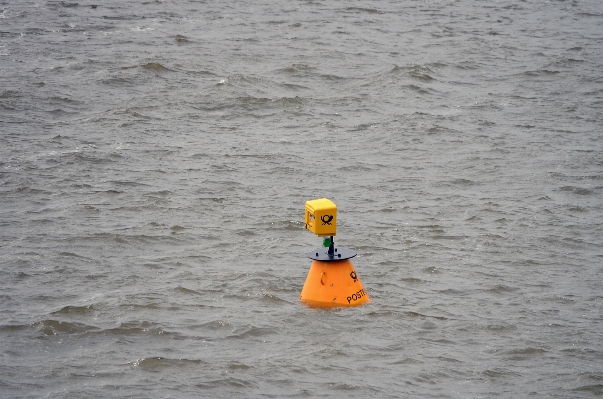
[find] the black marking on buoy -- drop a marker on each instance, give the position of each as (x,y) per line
(326,219)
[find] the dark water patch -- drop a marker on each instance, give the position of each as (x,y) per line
(453,292)
(576,190)
(363,126)
(217,325)
(124,17)
(432,270)
(568,62)
(448,359)
(413,280)
(155,67)
(11,35)
(72,255)
(595,389)
(591,375)
(406,360)
(228,382)
(423,316)
(291,100)
(187,291)
(161,193)
(213,199)
(238,366)
(138,328)
(419,90)
(501,327)
(130,112)
(12,328)
(254,100)
(136,306)
(8,108)
(251,332)
(129,183)
(389,262)
(21,275)
(440,130)
(501,373)
(417,72)
(94,277)
(246,233)
(424,77)
(385,313)
(366,10)
(32,191)
(58,113)
(36,31)
(525,353)
(448,237)
(501,289)
(10,94)
(542,72)
(580,351)
(463,182)
(74,310)
(356,167)
(69,5)
(432,227)
(161,363)
(528,262)
(332,77)
(249,100)
(119,81)
(291,86)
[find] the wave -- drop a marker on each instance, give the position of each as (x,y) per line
(160,363)
(74,310)
(541,72)
(56,327)
(155,66)
(367,10)
(576,190)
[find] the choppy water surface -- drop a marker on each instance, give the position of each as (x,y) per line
(155,158)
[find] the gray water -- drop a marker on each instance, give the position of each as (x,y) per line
(155,158)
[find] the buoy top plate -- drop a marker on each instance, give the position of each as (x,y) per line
(339,254)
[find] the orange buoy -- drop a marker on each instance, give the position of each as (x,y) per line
(332,280)
(333,283)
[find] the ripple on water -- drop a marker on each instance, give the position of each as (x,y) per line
(56,327)
(160,363)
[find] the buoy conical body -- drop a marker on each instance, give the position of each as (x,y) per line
(332,284)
